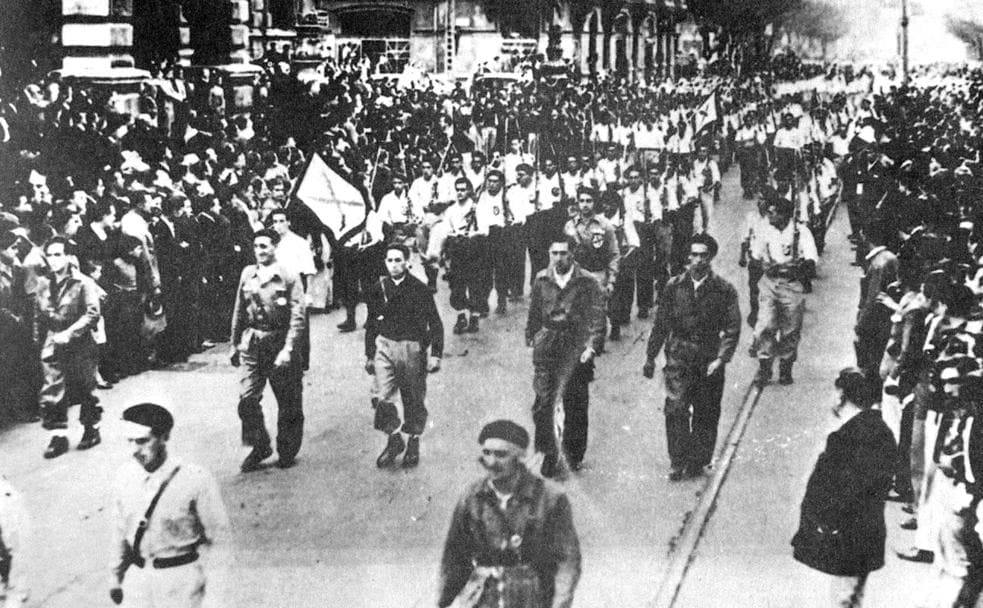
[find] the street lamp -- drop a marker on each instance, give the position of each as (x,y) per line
(904,41)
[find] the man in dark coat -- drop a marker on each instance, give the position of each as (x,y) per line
(841,527)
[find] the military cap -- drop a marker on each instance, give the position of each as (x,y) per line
(505,430)
(150,415)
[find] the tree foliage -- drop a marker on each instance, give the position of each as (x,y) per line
(818,22)
(969,31)
(749,25)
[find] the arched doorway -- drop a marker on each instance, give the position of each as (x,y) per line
(379,31)
(620,52)
(156,32)
(591,45)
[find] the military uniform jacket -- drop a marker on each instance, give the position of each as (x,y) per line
(703,324)
(404,312)
(534,529)
(270,308)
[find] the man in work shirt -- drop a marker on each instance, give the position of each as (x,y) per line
(566,329)
(699,321)
(788,256)
(67,312)
(403,323)
(169,523)
(267,329)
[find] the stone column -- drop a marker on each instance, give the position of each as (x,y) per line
(219,37)
(97,41)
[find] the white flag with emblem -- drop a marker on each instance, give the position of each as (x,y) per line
(706,114)
(338,204)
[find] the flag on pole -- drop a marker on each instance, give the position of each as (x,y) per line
(706,114)
(338,205)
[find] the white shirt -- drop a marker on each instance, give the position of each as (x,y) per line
(788,138)
(392,208)
(423,192)
(563,279)
(521,200)
(639,199)
(190,514)
(294,253)
(775,246)
(457,217)
(549,191)
(488,212)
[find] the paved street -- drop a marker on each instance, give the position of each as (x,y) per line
(336,531)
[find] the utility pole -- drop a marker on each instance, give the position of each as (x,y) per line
(904,41)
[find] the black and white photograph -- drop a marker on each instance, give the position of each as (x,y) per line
(491,303)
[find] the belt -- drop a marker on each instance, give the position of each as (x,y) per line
(161,563)
(266,328)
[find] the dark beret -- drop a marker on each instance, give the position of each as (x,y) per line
(506,430)
(150,415)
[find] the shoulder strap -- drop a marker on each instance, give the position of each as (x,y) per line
(145,522)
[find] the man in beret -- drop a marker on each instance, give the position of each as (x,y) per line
(267,331)
(513,528)
(169,523)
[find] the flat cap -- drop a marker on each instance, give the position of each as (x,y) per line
(150,415)
(506,430)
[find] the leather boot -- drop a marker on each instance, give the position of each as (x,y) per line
(764,372)
(785,371)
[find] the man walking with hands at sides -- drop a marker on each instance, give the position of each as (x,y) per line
(169,523)
(566,329)
(403,323)
(512,542)
(267,329)
(699,322)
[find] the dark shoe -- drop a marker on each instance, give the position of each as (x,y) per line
(615,334)
(502,308)
(763,376)
(483,314)
(394,447)
(103,385)
(909,524)
(549,468)
(286,463)
(643,313)
(208,344)
(90,438)
(255,458)
(913,554)
(694,470)
(412,456)
(677,474)
(576,465)
(473,325)
(785,372)
(347,326)
(57,447)
(752,319)
(909,508)
(462,324)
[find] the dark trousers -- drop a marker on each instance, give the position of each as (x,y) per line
(645,265)
(491,272)
(469,261)
(20,371)
(287,383)
(754,273)
(619,307)
(692,412)
(355,270)
(123,314)
(576,402)
(902,471)
(513,253)
(748,159)
(177,341)
(682,230)
(541,228)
